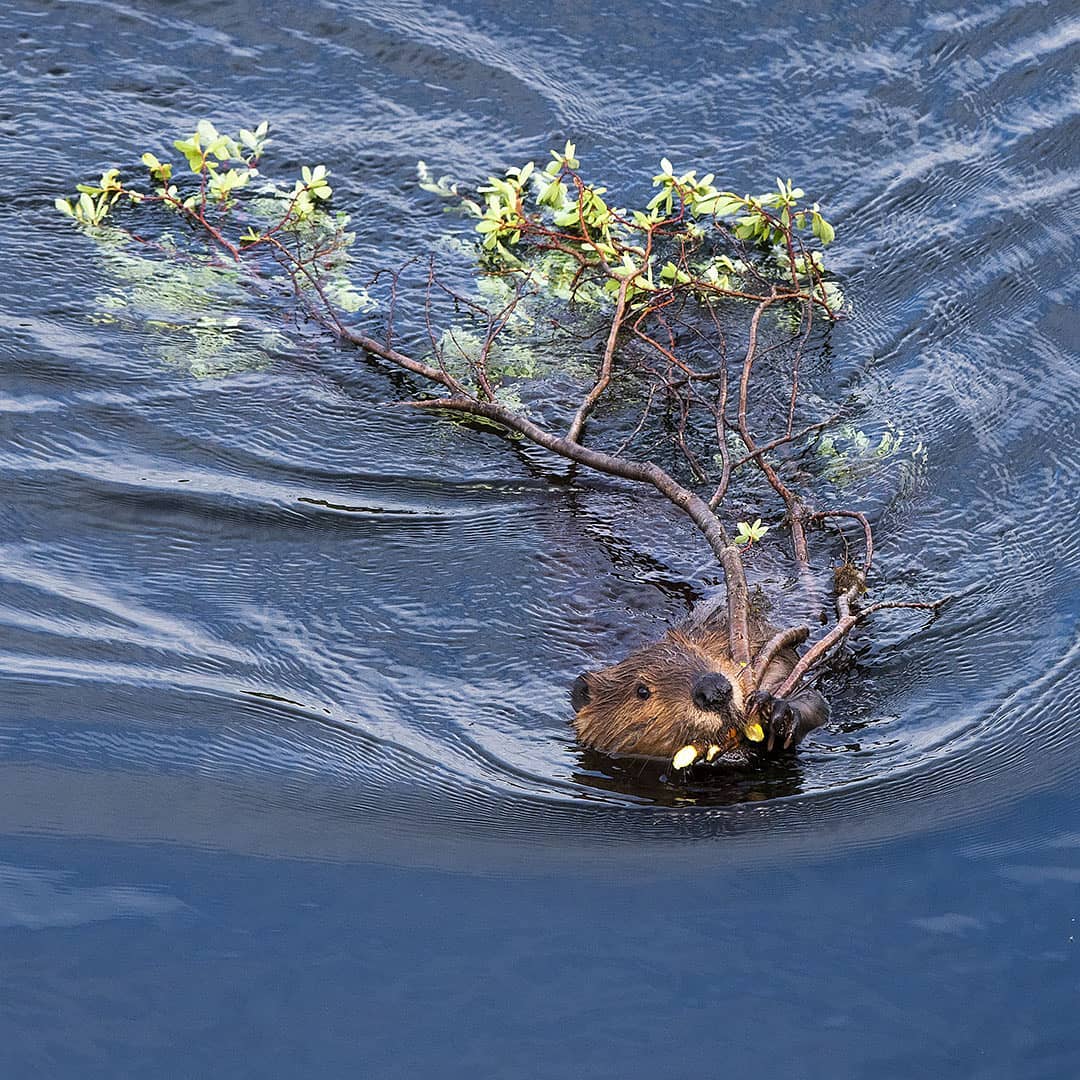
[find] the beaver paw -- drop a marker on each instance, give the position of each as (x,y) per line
(777,717)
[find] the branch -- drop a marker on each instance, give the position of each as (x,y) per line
(798,531)
(642,472)
(792,636)
(720,414)
(783,440)
(601,384)
(861,518)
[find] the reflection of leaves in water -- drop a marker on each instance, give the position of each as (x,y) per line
(214,348)
(179,306)
(521,351)
(848,454)
(511,360)
(324,231)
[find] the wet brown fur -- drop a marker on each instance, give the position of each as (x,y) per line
(616,720)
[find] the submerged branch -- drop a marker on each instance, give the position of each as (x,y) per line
(861,518)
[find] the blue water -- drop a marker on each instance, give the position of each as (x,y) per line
(287,780)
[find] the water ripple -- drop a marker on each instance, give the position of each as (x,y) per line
(271,613)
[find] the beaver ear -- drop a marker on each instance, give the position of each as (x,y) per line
(579,692)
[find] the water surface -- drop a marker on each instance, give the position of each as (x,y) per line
(288,783)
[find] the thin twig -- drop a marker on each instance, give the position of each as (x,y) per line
(794,506)
(863,520)
(601,384)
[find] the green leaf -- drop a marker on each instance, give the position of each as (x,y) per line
(192,153)
(553,195)
(726,205)
(207,132)
(822,229)
(751,533)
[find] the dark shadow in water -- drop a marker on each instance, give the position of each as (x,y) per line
(728,785)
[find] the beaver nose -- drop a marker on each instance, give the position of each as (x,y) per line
(712,693)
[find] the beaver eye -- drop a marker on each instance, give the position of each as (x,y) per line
(643,691)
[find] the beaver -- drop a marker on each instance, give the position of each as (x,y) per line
(686,690)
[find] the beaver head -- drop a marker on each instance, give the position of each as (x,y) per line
(683,689)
